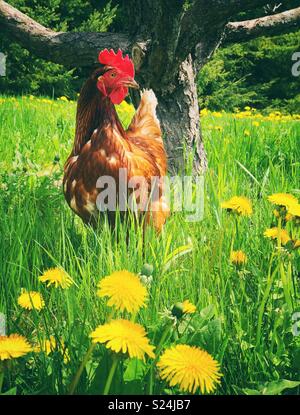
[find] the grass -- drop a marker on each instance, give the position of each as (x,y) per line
(244,315)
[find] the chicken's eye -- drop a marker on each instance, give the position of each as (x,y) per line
(113,75)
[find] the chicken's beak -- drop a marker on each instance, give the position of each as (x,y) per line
(131,83)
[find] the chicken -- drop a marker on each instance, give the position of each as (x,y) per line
(102,148)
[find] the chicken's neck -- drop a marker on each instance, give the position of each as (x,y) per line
(94,111)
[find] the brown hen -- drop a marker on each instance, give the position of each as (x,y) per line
(102,147)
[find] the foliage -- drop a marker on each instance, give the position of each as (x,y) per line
(256,73)
(28,74)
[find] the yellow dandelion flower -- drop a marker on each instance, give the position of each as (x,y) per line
(190,368)
(256,124)
(247,133)
(282,199)
(238,257)
(296,244)
(125,291)
(288,217)
(238,204)
(274,233)
(204,112)
(13,346)
(31,300)
(294,210)
(188,307)
(124,336)
(56,276)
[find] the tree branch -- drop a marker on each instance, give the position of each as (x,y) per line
(203,24)
(264,26)
(67,48)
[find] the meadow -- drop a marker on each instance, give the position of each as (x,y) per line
(244,306)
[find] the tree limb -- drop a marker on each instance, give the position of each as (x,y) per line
(264,26)
(67,48)
(203,24)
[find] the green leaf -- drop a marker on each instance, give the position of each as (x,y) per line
(251,391)
(177,253)
(100,375)
(209,336)
(135,370)
(135,387)
(208,312)
(12,391)
(276,387)
(215,327)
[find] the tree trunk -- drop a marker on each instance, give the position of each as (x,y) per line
(178,111)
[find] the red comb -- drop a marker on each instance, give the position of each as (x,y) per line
(116,60)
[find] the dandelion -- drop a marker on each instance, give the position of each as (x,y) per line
(217,114)
(31,300)
(238,257)
(288,217)
(256,124)
(181,309)
(188,307)
(282,199)
(124,336)
(275,233)
(63,98)
(189,368)
(125,291)
(147,270)
(238,204)
(13,346)
(296,244)
(247,133)
(56,276)
(294,210)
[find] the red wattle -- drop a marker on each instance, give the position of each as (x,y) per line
(118,95)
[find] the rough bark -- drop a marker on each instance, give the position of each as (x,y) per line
(179,114)
(264,26)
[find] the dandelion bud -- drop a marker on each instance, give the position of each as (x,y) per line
(147,270)
(56,159)
(177,310)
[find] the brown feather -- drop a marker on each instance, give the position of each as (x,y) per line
(102,147)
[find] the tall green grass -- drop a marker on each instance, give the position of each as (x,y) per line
(39,231)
